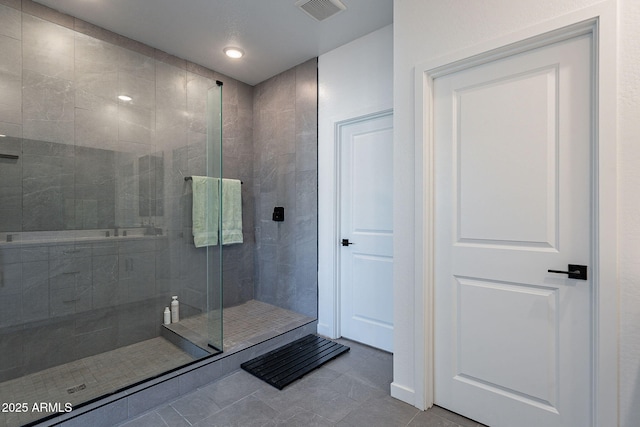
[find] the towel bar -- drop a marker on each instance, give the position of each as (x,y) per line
(188,178)
(9,156)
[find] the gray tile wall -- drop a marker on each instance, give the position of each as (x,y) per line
(79,148)
(285,173)
(62,97)
(67,301)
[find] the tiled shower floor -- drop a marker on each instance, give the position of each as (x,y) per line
(244,325)
(89,377)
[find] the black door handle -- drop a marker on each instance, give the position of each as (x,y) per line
(346,242)
(575,271)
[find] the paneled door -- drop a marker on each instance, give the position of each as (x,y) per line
(366,230)
(513,144)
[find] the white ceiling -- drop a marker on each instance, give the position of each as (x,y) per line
(275,34)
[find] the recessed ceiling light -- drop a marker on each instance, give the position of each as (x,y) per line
(233,52)
(124,98)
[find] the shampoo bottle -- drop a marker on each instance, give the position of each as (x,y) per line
(167,316)
(175,310)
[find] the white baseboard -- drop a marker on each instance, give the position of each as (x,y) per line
(326,331)
(403,393)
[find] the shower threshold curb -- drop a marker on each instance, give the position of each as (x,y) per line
(136,399)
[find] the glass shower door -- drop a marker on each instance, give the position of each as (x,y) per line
(214,253)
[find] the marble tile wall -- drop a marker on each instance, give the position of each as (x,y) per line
(59,79)
(55,186)
(51,343)
(285,173)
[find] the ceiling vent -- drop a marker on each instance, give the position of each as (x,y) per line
(321,9)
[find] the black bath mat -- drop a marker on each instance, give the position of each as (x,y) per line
(290,362)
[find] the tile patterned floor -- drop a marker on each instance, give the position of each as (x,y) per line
(352,390)
(89,377)
(255,321)
(244,325)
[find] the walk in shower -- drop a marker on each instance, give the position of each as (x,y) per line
(96,211)
(95,239)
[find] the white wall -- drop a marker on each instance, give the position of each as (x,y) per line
(424,30)
(353,80)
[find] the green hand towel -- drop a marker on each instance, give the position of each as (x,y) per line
(231,211)
(205,214)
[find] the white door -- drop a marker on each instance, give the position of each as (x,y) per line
(366,223)
(513,200)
